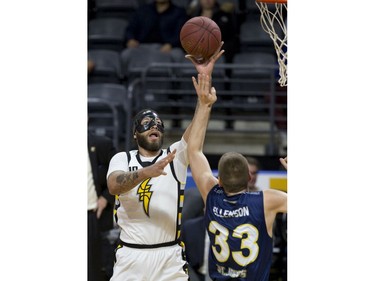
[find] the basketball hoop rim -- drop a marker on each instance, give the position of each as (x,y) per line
(272,1)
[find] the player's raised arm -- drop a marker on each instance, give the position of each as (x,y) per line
(199,165)
(275,201)
(204,68)
(208,66)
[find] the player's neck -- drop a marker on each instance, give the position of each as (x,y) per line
(235,193)
(148,153)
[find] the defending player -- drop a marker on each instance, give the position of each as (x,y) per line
(239,223)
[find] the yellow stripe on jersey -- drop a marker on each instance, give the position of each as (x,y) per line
(179,218)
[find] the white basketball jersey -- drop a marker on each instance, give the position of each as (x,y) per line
(150,213)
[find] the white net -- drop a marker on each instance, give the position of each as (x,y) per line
(273,20)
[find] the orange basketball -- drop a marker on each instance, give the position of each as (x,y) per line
(200,37)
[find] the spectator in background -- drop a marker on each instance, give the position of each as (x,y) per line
(91,10)
(223,15)
(193,234)
(100,208)
(159,24)
(193,204)
(254,167)
(90,66)
(196,241)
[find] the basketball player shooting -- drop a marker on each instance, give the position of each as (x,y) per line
(149,183)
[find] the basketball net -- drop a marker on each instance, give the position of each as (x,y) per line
(272,18)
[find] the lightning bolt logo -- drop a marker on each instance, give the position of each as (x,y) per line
(145,195)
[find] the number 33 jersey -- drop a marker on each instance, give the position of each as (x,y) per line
(240,248)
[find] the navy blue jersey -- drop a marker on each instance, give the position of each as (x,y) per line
(241,247)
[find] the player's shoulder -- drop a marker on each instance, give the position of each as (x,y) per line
(120,156)
(273,196)
(272,192)
(178,145)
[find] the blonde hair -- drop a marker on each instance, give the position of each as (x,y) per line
(233,172)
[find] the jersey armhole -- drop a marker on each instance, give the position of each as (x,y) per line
(128,155)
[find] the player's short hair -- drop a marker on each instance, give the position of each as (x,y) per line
(233,172)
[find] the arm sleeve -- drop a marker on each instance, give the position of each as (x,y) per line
(181,151)
(181,160)
(119,162)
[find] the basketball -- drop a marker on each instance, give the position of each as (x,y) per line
(200,37)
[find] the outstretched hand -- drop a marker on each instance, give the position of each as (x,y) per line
(207,66)
(284,162)
(206,93)
(157,169)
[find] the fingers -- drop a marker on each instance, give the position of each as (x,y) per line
(202,82)
(170,157)
(168,160)
(195,83)
(192,59)
(99,213)
(202,78)
(218,53)
(284,162)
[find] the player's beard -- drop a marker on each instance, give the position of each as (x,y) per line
(142,141)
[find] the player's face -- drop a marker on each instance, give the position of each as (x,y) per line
(151,139)
(253,171)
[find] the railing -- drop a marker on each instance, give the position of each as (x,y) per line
(250,94)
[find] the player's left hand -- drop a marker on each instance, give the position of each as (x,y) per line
(157,168)
(206,67)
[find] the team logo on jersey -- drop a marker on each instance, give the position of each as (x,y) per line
(145,195)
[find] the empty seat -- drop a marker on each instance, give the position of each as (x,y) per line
(107,33)
(254,64)
(254,77)
(115,8)
(254,38)
(107,67)
(109,111)
(139,63)
(189,70)
(135,60)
